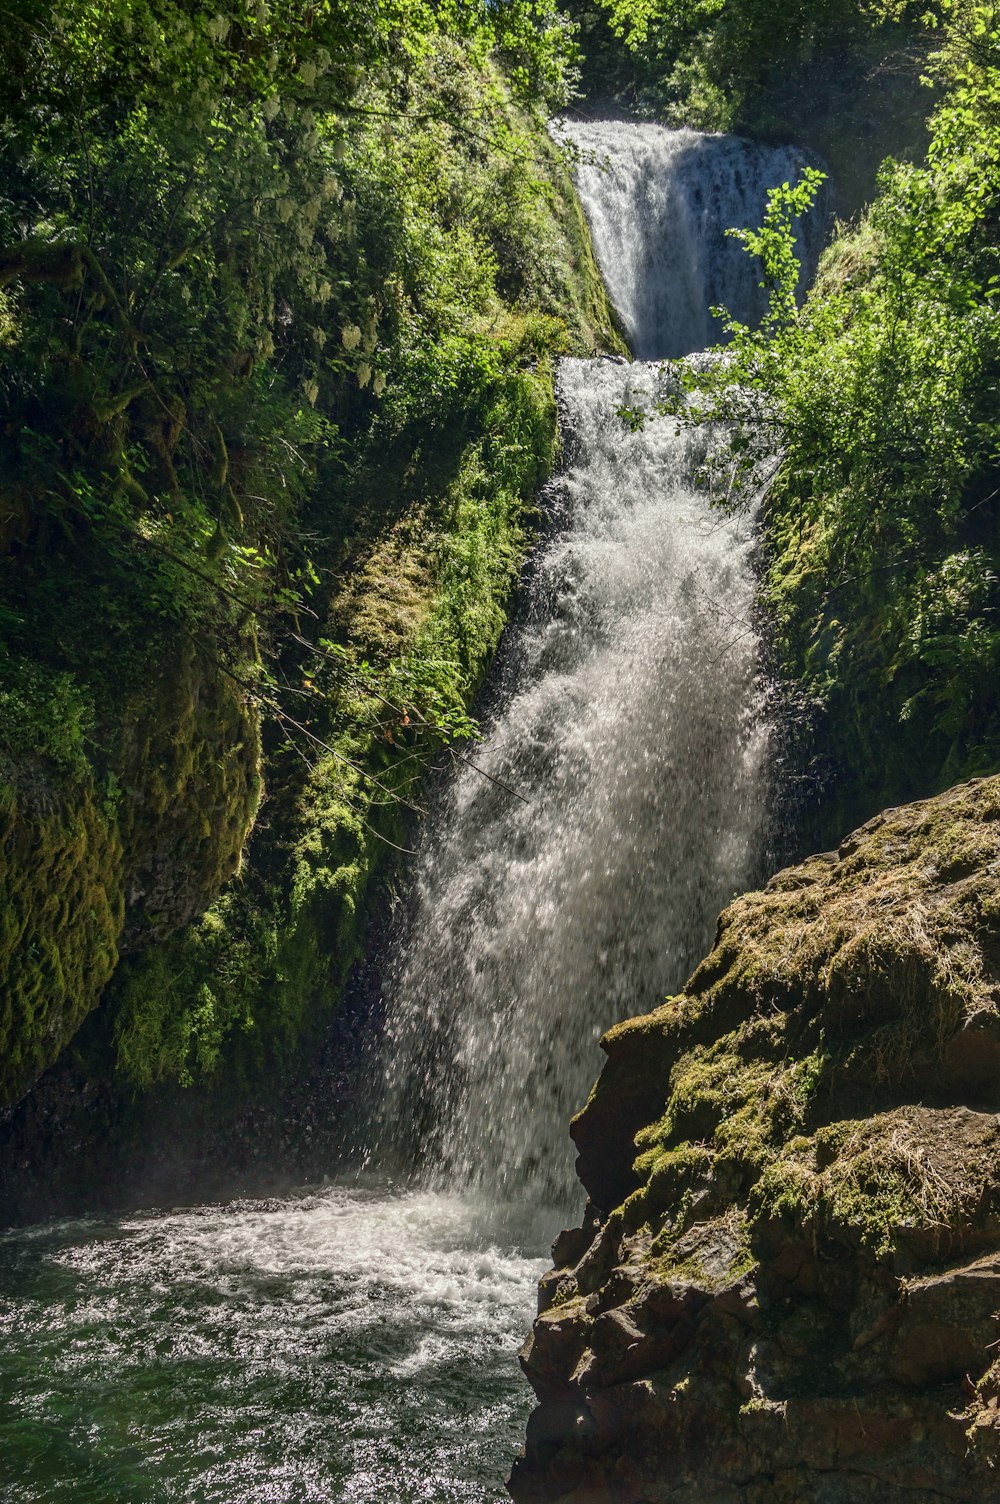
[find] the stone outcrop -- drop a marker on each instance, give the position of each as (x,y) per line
(787,1285)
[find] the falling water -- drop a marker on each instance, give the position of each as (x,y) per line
(357,1344)
(629,720)
(660,203)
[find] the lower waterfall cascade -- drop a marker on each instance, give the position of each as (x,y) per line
(356,1342)
(631,727)
(630,717)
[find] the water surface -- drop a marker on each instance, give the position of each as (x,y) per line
(355,1344)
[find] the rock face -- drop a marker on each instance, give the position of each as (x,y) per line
(787,1286)
(90,870)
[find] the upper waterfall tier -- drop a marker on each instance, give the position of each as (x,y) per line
(659,203)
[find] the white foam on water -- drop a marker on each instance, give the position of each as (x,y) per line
(352,1344)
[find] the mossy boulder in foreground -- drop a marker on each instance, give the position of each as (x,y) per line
(787,1286)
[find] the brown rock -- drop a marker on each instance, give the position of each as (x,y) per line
(801,1299)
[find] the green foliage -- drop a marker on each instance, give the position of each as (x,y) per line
(262,270)
(469,264)
(44,716)
(179,227)
(248,984)
(873,410)
(709,62)
(774,246)
(176,1008)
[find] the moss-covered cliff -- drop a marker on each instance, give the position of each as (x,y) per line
(787,1285)
(278,562)
(99,861)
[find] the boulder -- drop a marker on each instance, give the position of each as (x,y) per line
(791,1288)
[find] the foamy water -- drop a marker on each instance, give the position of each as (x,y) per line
(355,1344)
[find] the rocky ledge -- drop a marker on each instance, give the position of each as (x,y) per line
(787,1285)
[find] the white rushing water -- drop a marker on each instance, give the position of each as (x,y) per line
(354,1345)
(659,203)
(358,1344)
(631,725)
(630,719)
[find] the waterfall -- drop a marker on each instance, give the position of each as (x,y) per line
(628,714)
(356,1342)
(659,203)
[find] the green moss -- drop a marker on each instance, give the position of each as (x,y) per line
(851,987)
(670,1179)
(189,769)
(713,1256)
(153,824)
(61,915)
(578,291)
(878,1179)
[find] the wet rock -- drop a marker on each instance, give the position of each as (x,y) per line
(794,1293)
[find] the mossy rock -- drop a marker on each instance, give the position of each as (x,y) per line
(858,983)
(191,780)
(94,865)
(61,915)
(790,1284)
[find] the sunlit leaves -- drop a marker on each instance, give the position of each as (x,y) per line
(879,401)
(192,159)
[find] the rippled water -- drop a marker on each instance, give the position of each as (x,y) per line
(355,1344)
